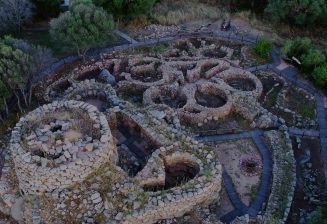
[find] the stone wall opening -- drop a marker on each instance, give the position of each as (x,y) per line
(134,146)
(212,98)
(214,53)
(99,102)
(92,74)
(170,99)
(178,171)
(147,73)
(59,88)
(243,84)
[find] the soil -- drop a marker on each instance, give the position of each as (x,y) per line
(231,123)
(101,104)
(209,100)
(242,84)
(230,153)
(173,102)
(311,145)
(147,76)
(224,206)
(72,136)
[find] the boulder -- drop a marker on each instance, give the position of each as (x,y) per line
(106,76)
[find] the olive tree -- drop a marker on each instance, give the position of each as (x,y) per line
(13,13)
(20,63)
(83,27)
(298,12)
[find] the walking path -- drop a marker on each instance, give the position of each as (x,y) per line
(264,189)
(288,72)
(125,36)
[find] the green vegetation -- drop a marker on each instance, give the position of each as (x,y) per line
(20,63)
(319,216)
(297,12)
(263,47)
(13,13)
(126,9)
(46,8)
(272,97)
(83,27)
(307,110)
(319,75)
(312,60)
(172,12)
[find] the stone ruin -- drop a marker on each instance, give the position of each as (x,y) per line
(71,151)
(59,146)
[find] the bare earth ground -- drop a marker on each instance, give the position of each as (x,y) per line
(225,205)
(230,154)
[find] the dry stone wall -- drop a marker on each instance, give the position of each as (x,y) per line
(43,169)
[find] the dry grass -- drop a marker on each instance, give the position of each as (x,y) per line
(176,12)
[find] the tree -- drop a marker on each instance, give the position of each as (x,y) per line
(319,76)
(83,27)
(297,12)
(319,216)
(263,47)
(47,8)
(312,59)
(40,58)
(13,13)
(126,8)
(4,94)
(296,47)
(20,62)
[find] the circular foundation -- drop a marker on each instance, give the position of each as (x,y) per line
(59,145)
(250,165)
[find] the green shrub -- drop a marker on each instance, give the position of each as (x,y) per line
(296,47)
(263,47)
(126,9)
(319,75)
(312,59)
(297,12)
(319,216)
(83,27)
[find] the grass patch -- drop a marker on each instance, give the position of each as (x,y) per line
(158,48)
(307,111)
(272,98)
(176,12)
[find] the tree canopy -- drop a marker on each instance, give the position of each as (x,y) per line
(126,8)
(20,62)
(13,13)
(83,27)
(298,12)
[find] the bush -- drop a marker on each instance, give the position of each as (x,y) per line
(126,8)
(83,27)
(177,12)
(312,59)
(20,62)
(297,12)
(47,8)
(13,13)
(263,47)
(296,47)
(319,216)
(319,75)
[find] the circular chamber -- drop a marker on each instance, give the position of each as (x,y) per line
(60,144)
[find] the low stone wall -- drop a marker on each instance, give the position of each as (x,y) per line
(91,88)
(203,189)
(284,177)
(236,73)
(38,174)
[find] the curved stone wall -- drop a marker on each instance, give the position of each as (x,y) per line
(45,162)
